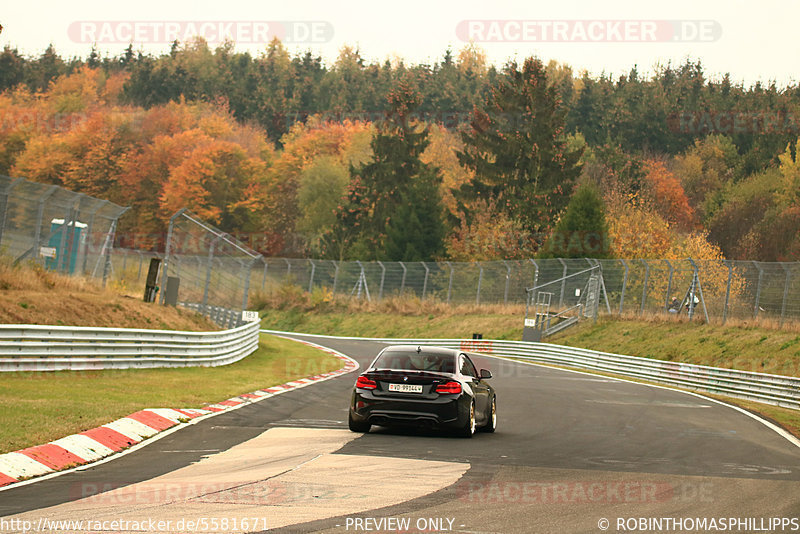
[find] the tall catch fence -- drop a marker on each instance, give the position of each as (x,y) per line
(206,269)
(724,289)
(74,233)
(65,231)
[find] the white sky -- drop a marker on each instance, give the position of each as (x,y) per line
(759,40)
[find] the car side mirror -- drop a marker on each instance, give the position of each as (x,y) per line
(485,373)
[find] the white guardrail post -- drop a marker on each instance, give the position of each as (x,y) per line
(59,348)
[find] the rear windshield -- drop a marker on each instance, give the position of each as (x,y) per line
(413,361)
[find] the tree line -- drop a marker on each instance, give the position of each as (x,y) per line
(459,159)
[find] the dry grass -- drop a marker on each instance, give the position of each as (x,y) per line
(30,294)
(321,300)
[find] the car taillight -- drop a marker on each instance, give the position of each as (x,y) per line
(365,383)
(449,388)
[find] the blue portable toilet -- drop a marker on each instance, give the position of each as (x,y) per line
(54,256)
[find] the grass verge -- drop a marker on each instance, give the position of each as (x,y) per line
(38,407)
(747,348)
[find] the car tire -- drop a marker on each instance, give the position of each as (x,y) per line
(491,423)
(357,426)
(468,430)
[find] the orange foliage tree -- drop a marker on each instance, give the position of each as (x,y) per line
(490,235)
(665,193)
(305,145)
(220,183)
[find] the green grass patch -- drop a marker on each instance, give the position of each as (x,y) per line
(36,408)
(737,347)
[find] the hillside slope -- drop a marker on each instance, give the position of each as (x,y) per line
(29,294)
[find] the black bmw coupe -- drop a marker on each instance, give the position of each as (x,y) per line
(424,387)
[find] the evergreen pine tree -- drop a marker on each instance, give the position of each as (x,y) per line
(518,150)
(582,231)
(393,207)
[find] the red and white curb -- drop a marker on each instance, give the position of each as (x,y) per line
(112,438)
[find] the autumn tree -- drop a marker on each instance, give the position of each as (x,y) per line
(705,169)
(338,144)
(393,206)
(742,209)
(489,235)
(323,184)
(218,182)
(664,191)
(517,150)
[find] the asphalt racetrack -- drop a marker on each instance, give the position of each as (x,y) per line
(573,453)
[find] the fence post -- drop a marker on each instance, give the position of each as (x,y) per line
(4,204)
(139,272)
(758,289)
(335,275)
(288,269)
(89,231)
(311,276)
(624,286)
(107,262)
(669,286)
(535,272)
(563,283)
(697,289)
(403,282)
(246,295)
(508,281)
(425,283)
(727,292)
(111,233)
(209,268)
(785,291)
(383,278)
(167,252)
(644,289)
(264,274)
(450,282)
(480,281)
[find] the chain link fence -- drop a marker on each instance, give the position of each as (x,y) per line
(728,289)
(74,233)
(65,231)
(206,269)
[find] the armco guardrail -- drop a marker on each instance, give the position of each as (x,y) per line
(770,389)
(58,348)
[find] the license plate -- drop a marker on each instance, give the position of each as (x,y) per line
(406,388)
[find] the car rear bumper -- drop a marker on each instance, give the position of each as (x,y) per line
(383,411)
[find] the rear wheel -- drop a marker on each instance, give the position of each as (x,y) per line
(468,430)
(357,426)
(491,422)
